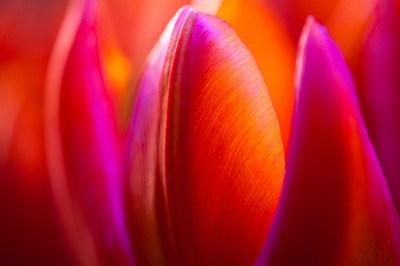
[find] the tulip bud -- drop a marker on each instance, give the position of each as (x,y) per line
(207,155)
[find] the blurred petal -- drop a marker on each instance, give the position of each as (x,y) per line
(268,41)
(335,208)
(217,143)
(380,91)
(83,145)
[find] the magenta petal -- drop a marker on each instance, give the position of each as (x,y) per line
(84,146)
(380,91)
(335,207)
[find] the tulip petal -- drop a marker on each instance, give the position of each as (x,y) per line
(214,139)
(335,207)
(83,145)
(267,39)
(379,91)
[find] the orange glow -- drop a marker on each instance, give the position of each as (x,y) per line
(117,73)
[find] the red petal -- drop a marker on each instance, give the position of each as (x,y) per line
(84,146)
(336,207)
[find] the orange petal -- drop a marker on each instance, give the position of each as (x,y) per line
(335,208)
(217,144)
(274,51)
(83,145)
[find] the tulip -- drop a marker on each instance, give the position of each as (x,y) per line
(207,157)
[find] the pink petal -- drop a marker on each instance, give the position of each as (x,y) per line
(335,207)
